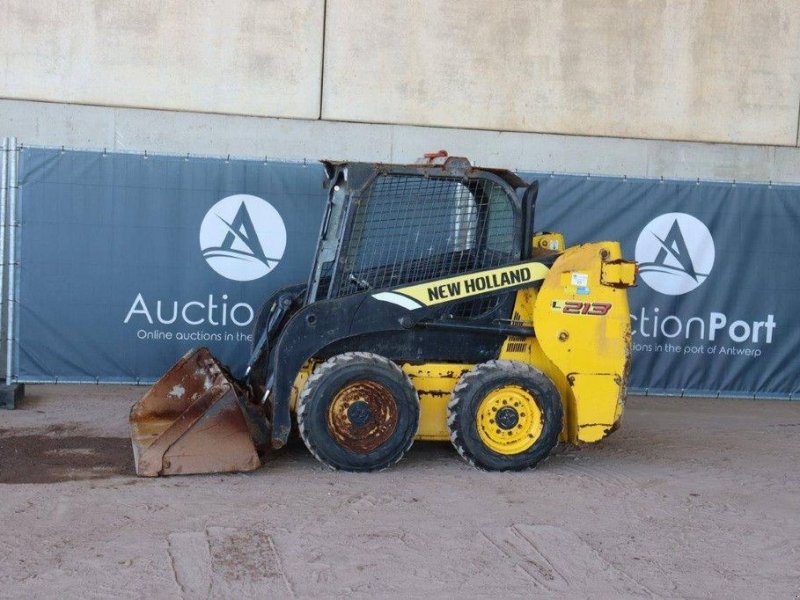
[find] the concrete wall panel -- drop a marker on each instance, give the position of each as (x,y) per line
(245,57)
(712,70)
(97,127)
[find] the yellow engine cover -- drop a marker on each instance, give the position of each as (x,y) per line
(583,325)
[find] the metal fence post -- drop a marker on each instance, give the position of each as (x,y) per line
(3,200)
(12,225)
(3,257)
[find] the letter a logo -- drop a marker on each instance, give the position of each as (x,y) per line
(242,237)
(675,253)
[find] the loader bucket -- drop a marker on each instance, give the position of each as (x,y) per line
(196,419)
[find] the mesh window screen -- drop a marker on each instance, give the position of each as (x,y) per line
(409,228)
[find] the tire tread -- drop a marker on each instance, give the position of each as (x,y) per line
(473,378)
(319,374)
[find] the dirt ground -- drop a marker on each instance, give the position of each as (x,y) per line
(689,499)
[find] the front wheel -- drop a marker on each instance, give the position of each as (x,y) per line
(358,412)
(504,416)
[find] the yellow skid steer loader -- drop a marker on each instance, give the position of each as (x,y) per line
(433,311)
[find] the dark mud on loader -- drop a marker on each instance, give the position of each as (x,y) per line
(433,311)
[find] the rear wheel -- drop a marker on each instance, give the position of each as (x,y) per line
(358,412)
(504,416)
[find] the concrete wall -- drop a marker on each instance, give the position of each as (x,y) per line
(402,77)
(240,57)
(714,70)
(709,70)
(128,129)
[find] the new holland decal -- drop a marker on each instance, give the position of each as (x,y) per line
(464,286)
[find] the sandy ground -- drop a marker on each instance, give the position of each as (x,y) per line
(689,499)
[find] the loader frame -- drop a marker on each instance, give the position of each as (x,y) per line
(329,322)
(432,311)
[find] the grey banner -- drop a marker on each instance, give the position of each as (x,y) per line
(127,261)
(716,310)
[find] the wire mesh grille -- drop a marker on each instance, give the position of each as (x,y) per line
(410,228)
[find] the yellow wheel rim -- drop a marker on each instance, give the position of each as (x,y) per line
(509,420)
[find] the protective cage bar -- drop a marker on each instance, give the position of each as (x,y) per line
(408,228)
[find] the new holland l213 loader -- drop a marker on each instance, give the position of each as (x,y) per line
(432,312)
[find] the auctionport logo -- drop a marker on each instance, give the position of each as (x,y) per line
(242,237)
(675,252)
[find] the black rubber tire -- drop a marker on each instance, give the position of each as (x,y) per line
(321,389)
(473,387)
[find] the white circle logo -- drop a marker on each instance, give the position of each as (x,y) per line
(242,237)
(675,253)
